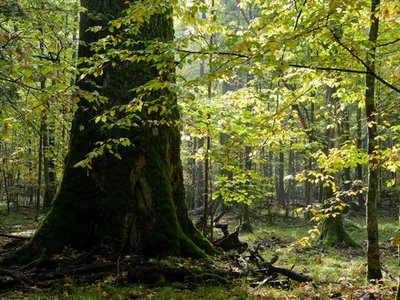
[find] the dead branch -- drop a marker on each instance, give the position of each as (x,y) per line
(267,268)
(18,237)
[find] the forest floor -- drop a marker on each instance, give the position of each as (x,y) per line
(337,273)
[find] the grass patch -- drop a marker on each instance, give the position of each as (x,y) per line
(20,219)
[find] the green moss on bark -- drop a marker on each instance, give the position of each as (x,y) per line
(333,233)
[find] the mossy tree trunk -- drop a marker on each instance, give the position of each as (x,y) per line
(137,203)
(333,231)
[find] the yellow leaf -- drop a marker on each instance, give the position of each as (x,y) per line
(395,241)
(242,46)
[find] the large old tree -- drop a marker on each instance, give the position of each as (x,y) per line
(137,203)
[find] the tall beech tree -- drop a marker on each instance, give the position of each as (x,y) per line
(133,200)
(373,255)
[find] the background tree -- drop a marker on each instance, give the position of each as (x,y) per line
(317,44)
(36,64)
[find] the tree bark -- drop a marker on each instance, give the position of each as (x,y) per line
(280,183)
(246,224)
(333,231)
(206,185)
(359,168)
(290,198)
(48,163)
(131,205)
(373,256)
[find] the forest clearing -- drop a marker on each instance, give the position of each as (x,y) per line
(200,149)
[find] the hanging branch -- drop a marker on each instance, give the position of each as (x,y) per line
(360,60)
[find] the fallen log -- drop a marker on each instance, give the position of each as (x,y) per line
(291,274)
(286,272)
(12,236)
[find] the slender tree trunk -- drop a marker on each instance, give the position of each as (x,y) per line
(307,188)
(42,136)
(206,186)
(40,165)
(373,255)
(199,187)
(31,185)
(347,178)
(246,224)
(280,184)
(206,195)
(6,190)
(48,162)
(359,168)
(290,199)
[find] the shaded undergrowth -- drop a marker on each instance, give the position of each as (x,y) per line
(337,273)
